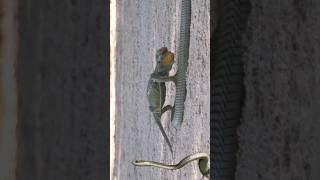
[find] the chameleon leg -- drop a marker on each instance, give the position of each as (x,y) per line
(172,112)
(158,78)
(166,108)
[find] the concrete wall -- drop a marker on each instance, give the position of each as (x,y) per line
(142,28)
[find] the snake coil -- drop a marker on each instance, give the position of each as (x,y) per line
(203,158)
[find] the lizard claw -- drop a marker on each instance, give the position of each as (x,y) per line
(154,78)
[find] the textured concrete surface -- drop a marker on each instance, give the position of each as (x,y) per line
(279,135)
(142,28)
(62,74)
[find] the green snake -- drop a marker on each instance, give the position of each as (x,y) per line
(156,91)
(204,164)
(182,57)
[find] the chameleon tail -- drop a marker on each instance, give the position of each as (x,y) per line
(163,133)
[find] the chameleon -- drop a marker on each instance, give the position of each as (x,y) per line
(156,91)
(182,56)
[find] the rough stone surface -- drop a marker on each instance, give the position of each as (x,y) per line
(62,76)
(142,28)
(279,135)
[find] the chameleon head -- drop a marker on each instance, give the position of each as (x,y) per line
(165,59)
(168,59)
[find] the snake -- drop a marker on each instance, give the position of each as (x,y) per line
(182,58)
(204,164)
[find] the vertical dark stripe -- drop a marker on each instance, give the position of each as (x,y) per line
(63,90)
(227,91)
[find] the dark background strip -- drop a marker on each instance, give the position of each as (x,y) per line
(63,90)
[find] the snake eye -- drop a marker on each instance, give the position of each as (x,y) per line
(136,162)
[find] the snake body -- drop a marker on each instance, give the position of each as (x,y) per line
(227,93)
(182,57)
(202,157)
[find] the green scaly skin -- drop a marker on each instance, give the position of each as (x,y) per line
(156,91)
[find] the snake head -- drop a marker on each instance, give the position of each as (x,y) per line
(136,162)
(165,60)
(140,163)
